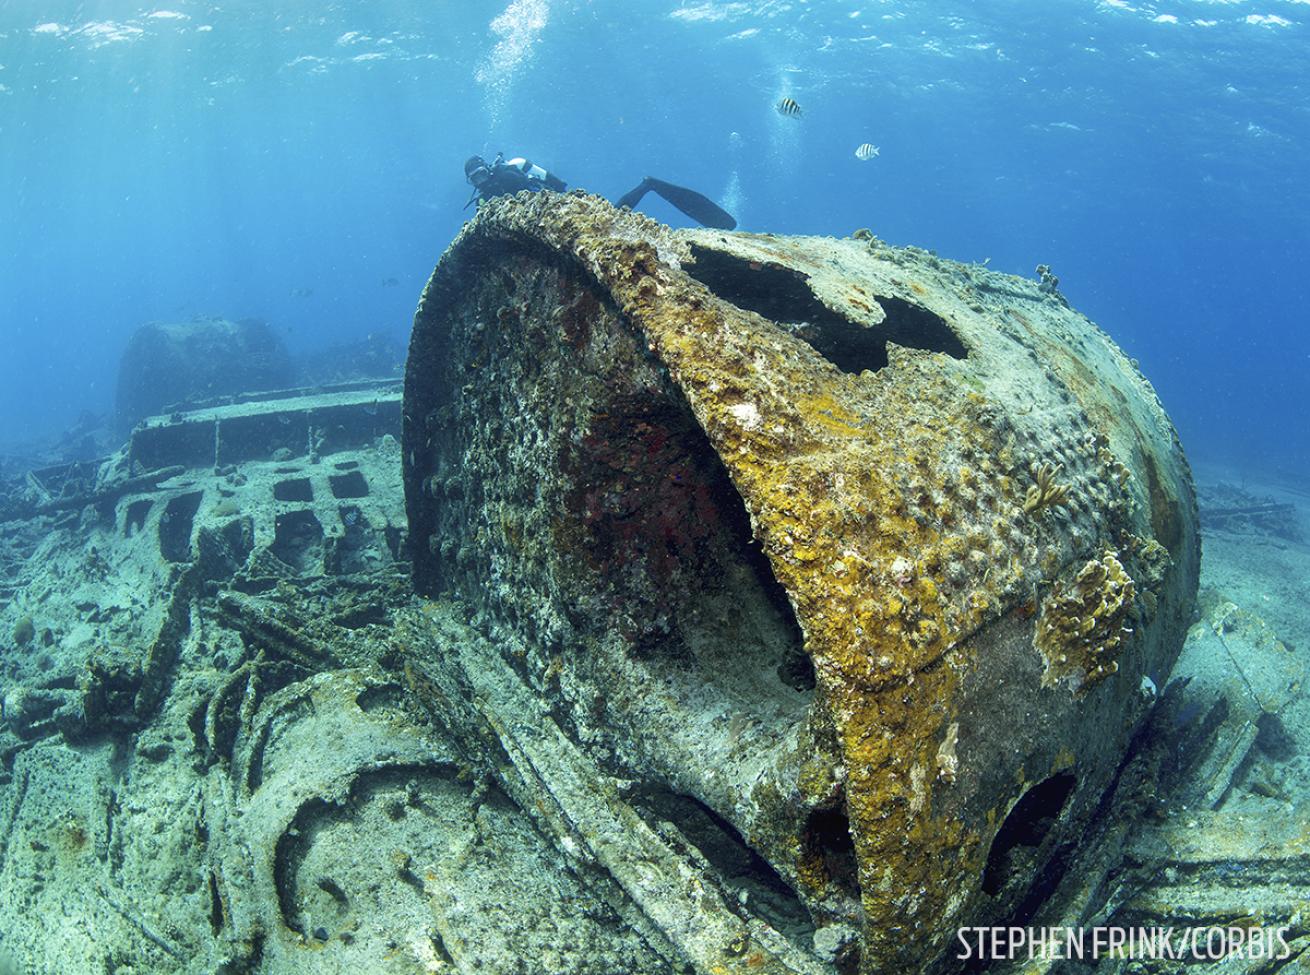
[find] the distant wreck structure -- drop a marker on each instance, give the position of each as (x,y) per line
(827,582)
(167,364)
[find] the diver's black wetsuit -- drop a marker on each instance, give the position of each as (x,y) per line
(501,177)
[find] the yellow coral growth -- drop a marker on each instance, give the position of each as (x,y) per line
(1082,626)
(1046,493)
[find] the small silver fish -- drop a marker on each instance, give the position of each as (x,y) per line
(866,152)
(789,108)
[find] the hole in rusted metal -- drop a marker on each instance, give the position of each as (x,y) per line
(352,485)
(175,526)
(294,489)
(1024,830)
(827,841)
(298,539)
(783,295)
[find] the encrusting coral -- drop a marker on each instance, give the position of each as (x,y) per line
(1082,626)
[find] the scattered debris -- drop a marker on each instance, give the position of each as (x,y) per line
(1225,507)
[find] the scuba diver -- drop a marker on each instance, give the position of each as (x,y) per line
(503,176)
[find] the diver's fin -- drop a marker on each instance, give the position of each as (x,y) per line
(631,198)
(700,208)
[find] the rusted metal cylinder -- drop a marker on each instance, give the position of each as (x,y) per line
(842,557)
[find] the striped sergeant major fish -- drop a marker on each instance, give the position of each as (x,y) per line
(789,108)
(866,152)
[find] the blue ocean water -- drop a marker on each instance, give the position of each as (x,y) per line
(283,161)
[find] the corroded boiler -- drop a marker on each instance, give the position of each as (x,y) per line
(839,556)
